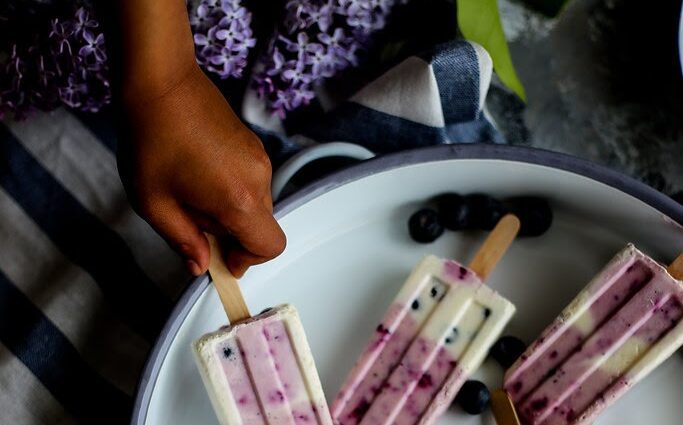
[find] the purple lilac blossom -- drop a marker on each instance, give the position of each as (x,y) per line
(65,64)
(93,52)
(222,36)
(317,40)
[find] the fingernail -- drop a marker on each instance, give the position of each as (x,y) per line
(193,267)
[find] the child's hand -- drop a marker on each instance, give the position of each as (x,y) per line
(190,165)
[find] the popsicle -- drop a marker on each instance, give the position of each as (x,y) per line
(621,326)
(434,335)
(258,370)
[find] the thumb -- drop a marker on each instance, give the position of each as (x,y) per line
(239,260)
(180,231)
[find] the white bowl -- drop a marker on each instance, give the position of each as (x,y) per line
(349,252)
(680,40)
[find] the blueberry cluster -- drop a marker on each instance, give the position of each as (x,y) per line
(474,397)
(478,211)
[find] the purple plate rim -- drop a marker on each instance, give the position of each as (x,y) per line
(593,171)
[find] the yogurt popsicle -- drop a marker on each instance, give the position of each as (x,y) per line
(626,322)
(259,370)
(434,335)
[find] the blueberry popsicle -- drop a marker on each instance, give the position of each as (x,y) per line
(626,322)
(259,370)
(434,335)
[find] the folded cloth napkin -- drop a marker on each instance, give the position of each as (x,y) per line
(86,285)
(434,98)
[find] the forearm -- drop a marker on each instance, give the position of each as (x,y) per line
(157,50)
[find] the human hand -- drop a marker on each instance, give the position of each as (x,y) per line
(190,165)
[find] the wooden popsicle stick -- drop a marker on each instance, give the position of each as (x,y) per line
(503,409)
(495,245)
(490,252)
(675,269)
(226,285)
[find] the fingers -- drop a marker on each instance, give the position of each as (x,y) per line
(178,228)
(260,237)
(207,223)
(235,200)
(247,238)
(239,260)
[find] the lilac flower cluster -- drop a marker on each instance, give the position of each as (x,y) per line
(65,65)
(222,36)
(318,39)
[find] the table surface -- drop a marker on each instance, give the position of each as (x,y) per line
(603,83)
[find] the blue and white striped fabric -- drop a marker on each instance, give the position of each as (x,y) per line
(432,99)
(85,284)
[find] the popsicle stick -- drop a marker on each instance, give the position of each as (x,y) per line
(495,245)
(226,285)
(675,269)
(503,409)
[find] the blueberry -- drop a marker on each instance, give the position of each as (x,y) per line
(453,336)
(424,226)
(533,212)
(485,211)
(454,212)
(474,397)
(507,350)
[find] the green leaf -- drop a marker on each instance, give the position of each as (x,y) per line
(479,21)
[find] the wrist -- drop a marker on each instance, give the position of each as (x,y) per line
(157,47)
(149,84)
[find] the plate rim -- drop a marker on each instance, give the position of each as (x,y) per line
(521,154)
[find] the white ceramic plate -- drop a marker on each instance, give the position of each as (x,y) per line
(349,252)
(680,39)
